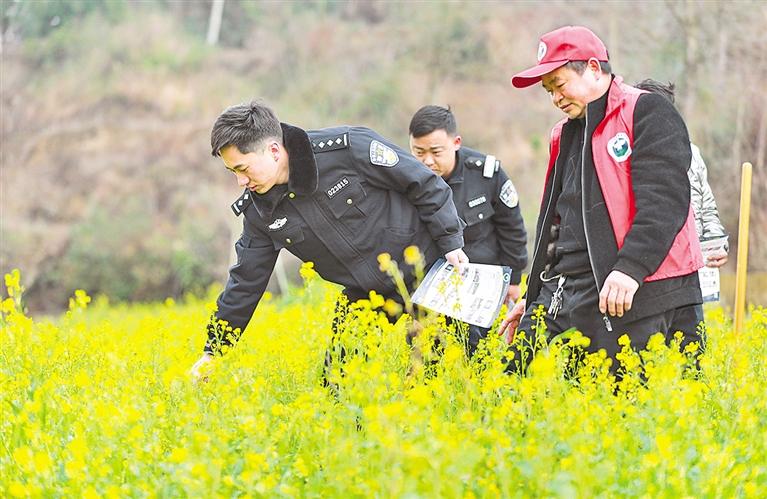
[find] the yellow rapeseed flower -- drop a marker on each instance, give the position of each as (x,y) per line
(412,255)
(384,262)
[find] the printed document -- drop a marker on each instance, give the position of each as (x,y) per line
(475,295)
(709,277)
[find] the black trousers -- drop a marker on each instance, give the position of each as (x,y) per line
(473,334)
(580,310)
(338,351)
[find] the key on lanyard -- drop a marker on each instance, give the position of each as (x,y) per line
(556,298)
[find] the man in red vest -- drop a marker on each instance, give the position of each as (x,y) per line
(615,249)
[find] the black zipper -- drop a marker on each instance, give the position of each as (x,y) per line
(605,319)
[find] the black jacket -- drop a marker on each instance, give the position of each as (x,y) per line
(661,156)
(495,232)
(351,195)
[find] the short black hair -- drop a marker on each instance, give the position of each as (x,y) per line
(580,66)
(430,118)
(656,87)
(246,126)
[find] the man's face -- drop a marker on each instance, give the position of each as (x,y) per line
(437,151)
(258,170)
(571,92)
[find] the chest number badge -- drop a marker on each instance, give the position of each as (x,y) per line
(619,147)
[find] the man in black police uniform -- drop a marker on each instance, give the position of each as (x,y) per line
(338,197)
(484,197)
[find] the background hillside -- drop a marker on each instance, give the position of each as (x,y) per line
(106,177)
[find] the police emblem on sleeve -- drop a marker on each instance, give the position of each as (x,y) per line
(382,155)
(619,147)
(509,195)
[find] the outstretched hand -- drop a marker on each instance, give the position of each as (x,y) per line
(513,294)
(202,368)
(511,321)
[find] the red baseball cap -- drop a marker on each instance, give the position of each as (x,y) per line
(557,48)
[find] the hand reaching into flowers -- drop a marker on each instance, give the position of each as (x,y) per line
(513,295)
(202,368)
(511,321)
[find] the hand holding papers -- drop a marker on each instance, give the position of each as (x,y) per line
(709,277)
(473,295)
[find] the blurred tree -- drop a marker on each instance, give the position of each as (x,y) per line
(214,23)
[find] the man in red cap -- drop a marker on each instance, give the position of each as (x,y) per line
(615,249)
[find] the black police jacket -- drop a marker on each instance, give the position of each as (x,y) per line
(351,195)
(488,202)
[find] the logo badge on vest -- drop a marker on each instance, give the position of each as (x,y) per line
(278,223)
(382,155)
(619,147)
(541,50)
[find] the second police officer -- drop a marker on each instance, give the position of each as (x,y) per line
(483,194)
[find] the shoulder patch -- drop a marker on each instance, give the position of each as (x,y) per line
(331,143)
(242,202)
(382,155)
(509,195)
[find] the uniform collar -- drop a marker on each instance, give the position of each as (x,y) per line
(456,177)
(302,171)
(302,167)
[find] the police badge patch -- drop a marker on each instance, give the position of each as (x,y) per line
(509,195)
(619,147)
(382,155)
(278,224)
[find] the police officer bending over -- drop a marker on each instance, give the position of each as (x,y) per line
(335,196)
(484,197)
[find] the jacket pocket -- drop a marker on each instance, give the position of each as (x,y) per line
(474,218)
(478,214)
(286,237)
(349,202)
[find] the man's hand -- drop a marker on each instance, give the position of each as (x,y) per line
(513,295)
(509,325)
(717,259)
(617,294)
(456,257)
(202,368)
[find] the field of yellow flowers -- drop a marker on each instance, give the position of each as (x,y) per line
(99,403)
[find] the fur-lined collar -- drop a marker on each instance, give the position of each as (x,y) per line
(302,174)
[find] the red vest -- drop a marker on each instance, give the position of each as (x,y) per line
(614,175)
